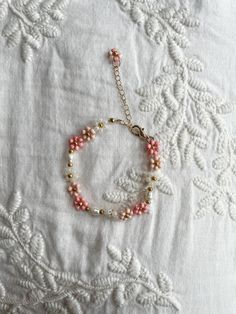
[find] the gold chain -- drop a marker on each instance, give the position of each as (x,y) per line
(115,57)
(121,92)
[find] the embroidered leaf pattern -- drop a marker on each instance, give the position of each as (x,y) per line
(16,255)
(25,233)
(164,185)
(51,291)
(147,299)
(2,291)
(14,202)
(131,185)
(29,22)
(156,17)
(114,253)
(203,184)
(3,9)
(37,245)
(164,283)
(21,215)
(217,199)
(184,110)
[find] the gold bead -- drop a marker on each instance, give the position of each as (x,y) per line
(87,209)
(154,178)
(101,211)
(70,164)
(71,151)
(150,189)
(101,125)
(112,120)
(70,175)
(148,202)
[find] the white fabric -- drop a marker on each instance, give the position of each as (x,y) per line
(68,84)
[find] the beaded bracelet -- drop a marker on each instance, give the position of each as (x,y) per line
(78,142)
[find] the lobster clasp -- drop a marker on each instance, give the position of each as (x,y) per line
(138,131)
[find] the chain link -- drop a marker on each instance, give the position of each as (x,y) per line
(121,92)
(134,128)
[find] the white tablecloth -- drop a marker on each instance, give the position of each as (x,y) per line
(178,70)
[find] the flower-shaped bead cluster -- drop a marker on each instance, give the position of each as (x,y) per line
(126,214)
(88,134)
(76,142)
(152,147)
(81,203)
(140,208)
(155,163)
(74,189)
(115,56)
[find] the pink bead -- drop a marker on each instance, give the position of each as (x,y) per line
(74,189)
(76,142)
(80,203)
(115,56)
(152,147)
(88,134)
(155,163)
(140,208)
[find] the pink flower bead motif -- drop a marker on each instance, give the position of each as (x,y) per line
(80,203)
(126,214)
(152,147)
(140,208)
(74,189)
(115,56)
(88,134)
(76,142)
(155,163)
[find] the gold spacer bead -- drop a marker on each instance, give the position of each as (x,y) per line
(150,189)
(70,175)
(101,211)
(112,120)
(154,178)
(148,202)
(101,125)
(87,209)
(71,151)
(70,164)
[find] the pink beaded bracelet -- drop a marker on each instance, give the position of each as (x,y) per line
(78,142)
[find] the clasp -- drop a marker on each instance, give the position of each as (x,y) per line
(138,131)
(134,129)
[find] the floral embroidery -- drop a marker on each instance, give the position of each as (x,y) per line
(219,196)
(160,22)
(48,290)
(29,22)
(184,108)
(176,96)
(130,185)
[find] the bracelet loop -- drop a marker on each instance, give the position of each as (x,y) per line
(78,142)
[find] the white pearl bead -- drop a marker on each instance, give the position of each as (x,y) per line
(70,157)
(95,211)
(114,214)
